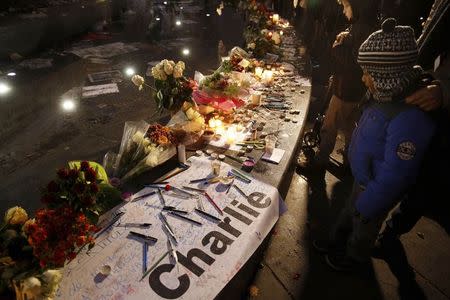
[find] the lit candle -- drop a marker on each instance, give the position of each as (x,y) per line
(275,18)
(281,32)
(267,77)
(231,135)
(212,123)
(258,72)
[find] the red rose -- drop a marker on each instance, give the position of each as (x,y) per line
(91,175)
(74,173)
(79,188)
(94,188)
(84,166)
(42,263)
(63,173)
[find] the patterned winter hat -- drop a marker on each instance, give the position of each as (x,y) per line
(389,56)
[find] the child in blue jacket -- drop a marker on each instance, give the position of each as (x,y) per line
(388,144)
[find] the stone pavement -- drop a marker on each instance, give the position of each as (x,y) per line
(291,269)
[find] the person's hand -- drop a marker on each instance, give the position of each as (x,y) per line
(340,37)
(427,98)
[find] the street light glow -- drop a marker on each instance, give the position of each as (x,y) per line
(186,51)
(68,105)
(165,2)
(158,18)
(178,23)
(11,74)
(130,71)
(4,88)
(208,15)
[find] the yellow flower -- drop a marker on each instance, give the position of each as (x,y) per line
(16,215)
(138,81)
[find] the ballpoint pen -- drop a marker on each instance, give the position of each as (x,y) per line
(110,223)
(205,214)
(161,197)
(143,196)
(141,225)
(167,227)
(213,203)
(194,189)
(154,265)
(143,236)
(173,213)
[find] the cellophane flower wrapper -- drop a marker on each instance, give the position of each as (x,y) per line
(132,147)
(187,124)
(154,158)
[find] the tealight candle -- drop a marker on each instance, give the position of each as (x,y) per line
(275,18)
(212,123)
(259,72)
(267,77)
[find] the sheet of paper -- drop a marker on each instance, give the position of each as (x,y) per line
(275,157)
(218,249)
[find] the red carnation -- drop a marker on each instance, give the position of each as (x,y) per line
(84,166)
(88,200)
(81,240)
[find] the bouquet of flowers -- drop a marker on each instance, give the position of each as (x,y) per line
(143,147)
(262,42)
(171,89)
(19,267)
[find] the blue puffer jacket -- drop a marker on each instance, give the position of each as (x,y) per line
(386,152)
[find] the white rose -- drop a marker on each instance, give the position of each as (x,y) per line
(251,46)
(158,74)
(146,142)
(181,64)
(168,66)
(138,81)
(152,160)
(32,285)
(138,137)
(52,278)
(177,71)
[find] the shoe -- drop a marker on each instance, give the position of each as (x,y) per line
(385,244)
(342,262)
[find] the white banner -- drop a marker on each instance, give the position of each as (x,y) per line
(209,255)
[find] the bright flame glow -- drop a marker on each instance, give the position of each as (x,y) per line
(68,105)
(130,71)
(11,74)
(178,23)
(186,51)
(4,88)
